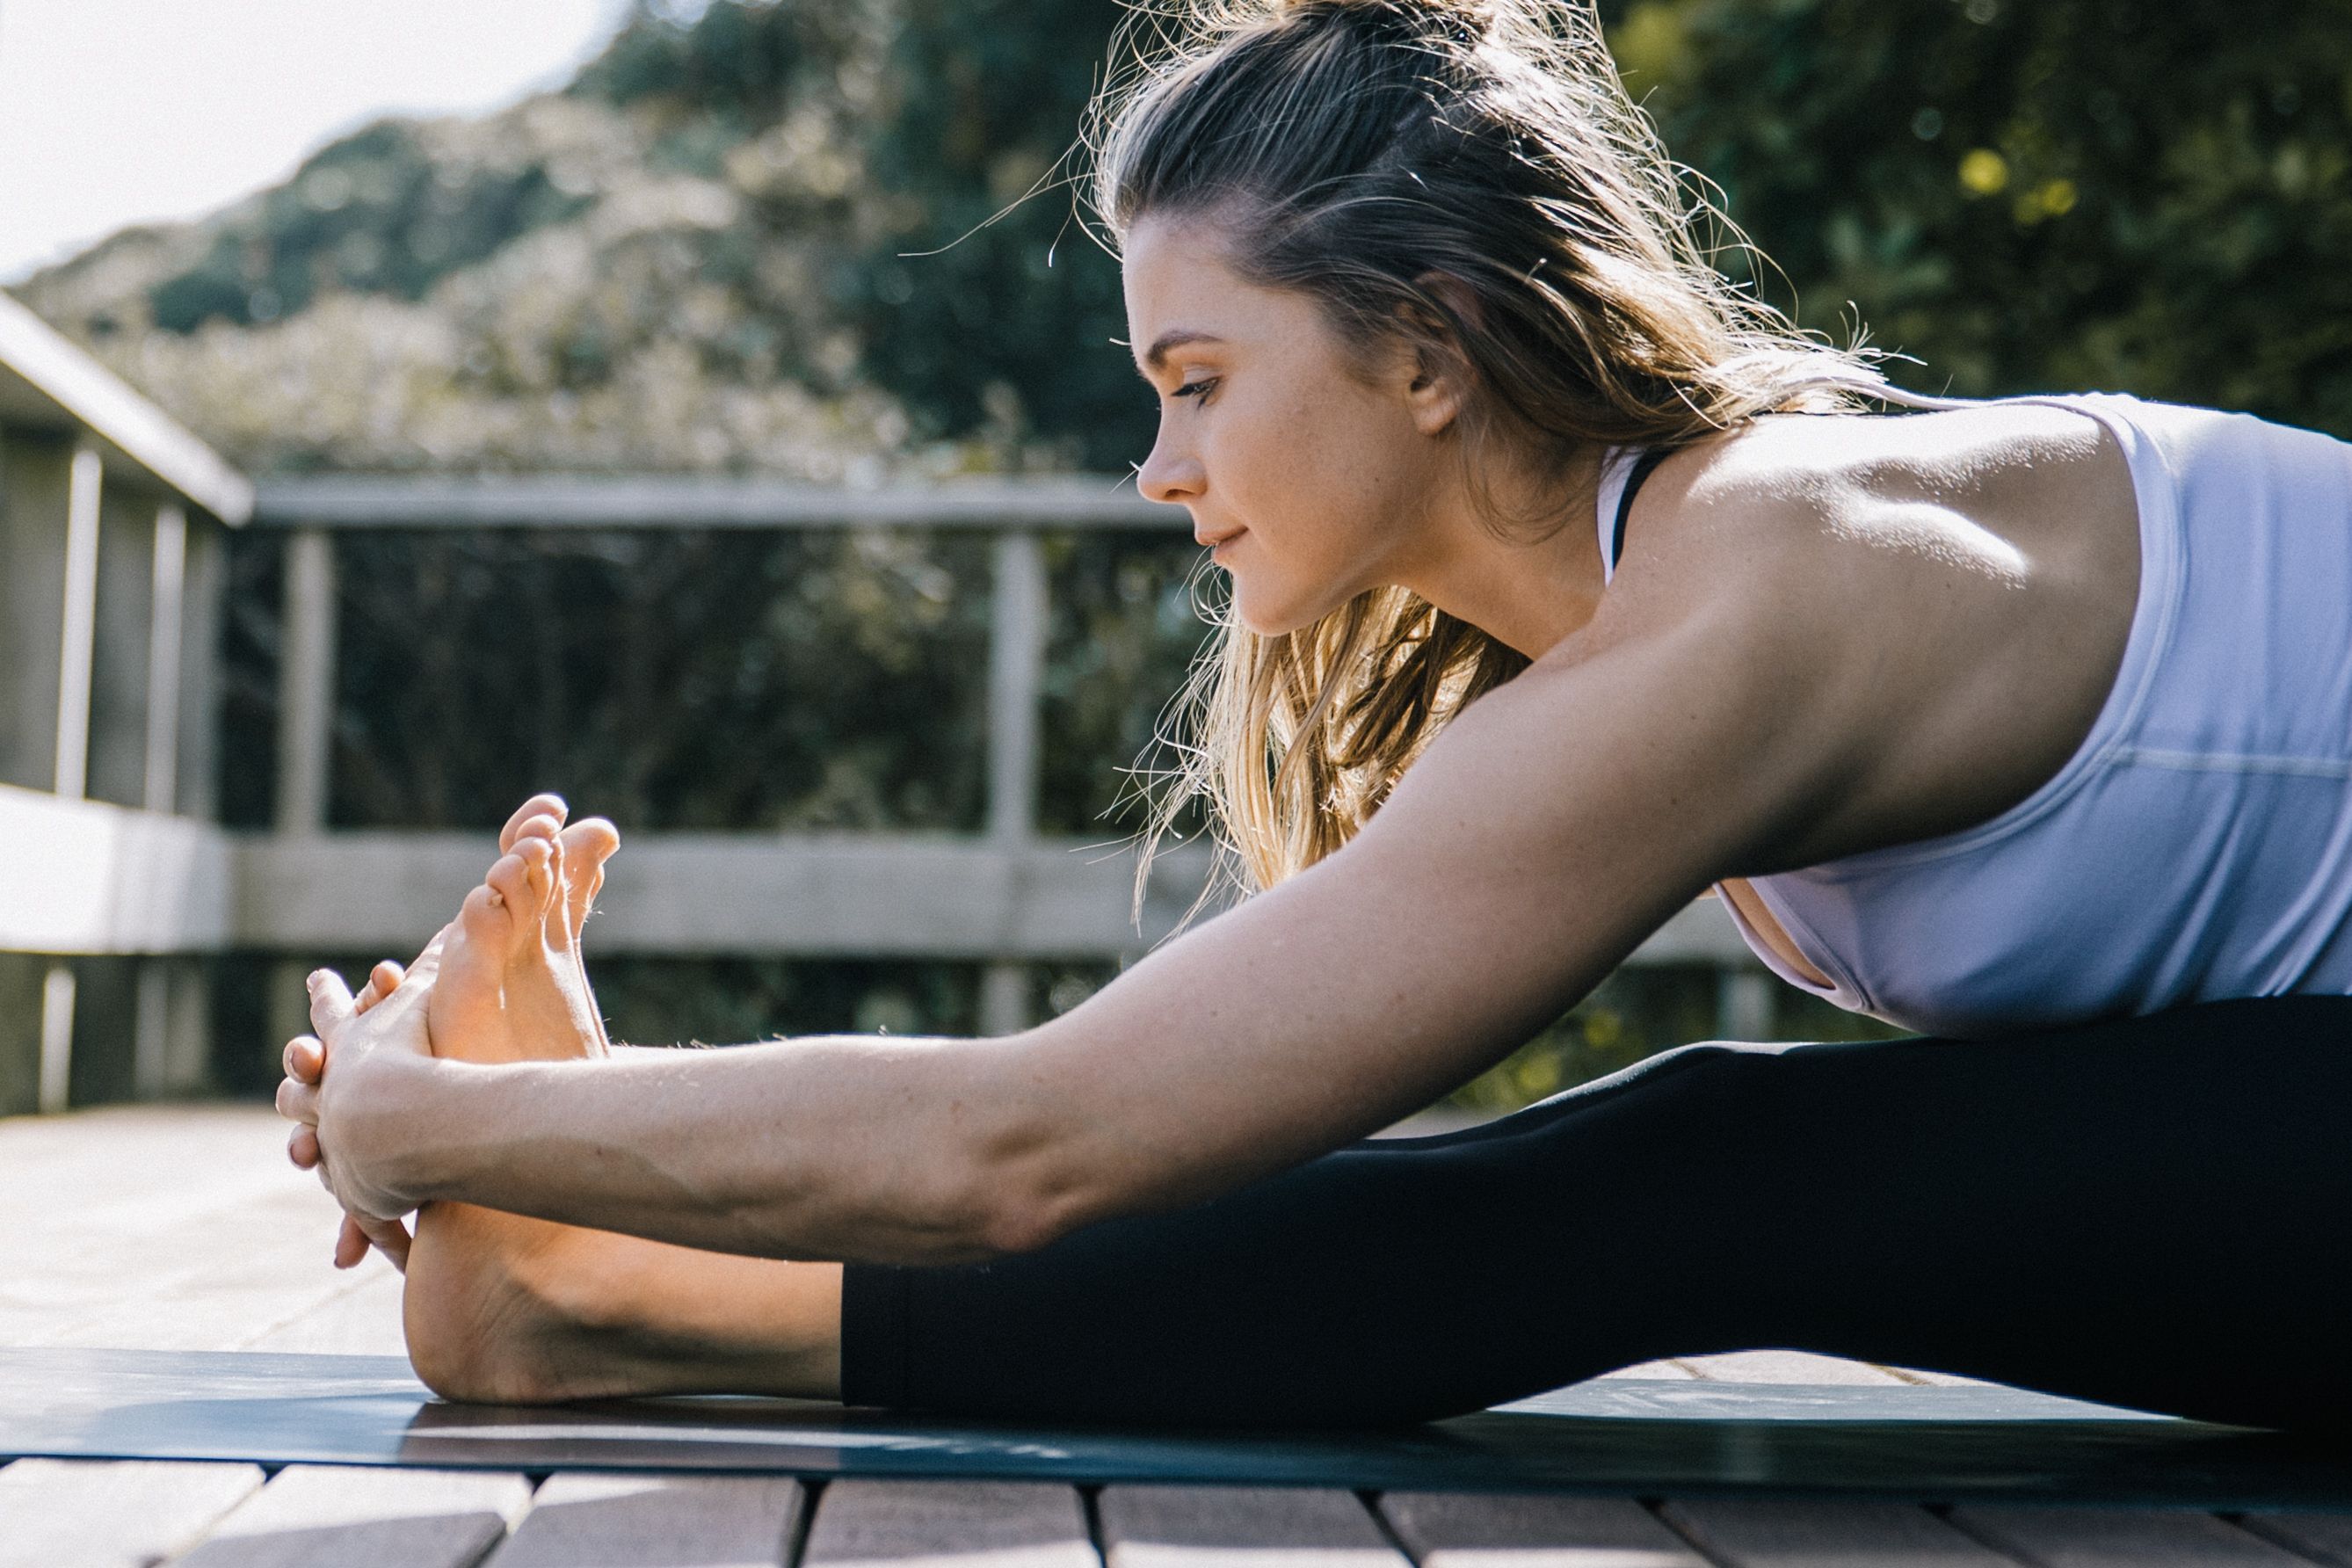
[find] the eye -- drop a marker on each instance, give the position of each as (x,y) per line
(1200,388)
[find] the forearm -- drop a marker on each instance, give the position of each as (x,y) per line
(849,1147)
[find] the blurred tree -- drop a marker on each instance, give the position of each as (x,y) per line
(2116,194)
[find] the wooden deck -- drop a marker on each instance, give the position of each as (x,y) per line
(184,1229)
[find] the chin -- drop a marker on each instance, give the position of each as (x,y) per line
(1272,620)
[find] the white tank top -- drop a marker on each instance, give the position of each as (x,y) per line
(2198,845)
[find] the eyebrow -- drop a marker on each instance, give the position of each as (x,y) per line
(1157,355)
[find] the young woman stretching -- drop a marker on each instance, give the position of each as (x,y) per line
(1567,584)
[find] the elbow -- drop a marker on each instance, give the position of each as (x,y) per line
(1023,1225)
(1020,1204)
(1028,1184)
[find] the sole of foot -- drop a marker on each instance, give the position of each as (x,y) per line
(511,987)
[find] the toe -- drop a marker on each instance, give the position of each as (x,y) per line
(486,920)
(586,846)
(544,805)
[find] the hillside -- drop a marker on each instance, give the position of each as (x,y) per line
(687,259)
(695,256)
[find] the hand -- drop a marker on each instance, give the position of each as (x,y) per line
(358,1233)
(368,1053)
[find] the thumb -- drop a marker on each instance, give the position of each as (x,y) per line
(330,1000)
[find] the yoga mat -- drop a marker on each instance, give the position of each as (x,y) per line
(1616,1436)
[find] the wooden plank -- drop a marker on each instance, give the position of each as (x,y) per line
(95,879)
(80,643)
(82,876)
(583,1519)
(1772,1533)
(36,357)
(1230,1526)
(2321,1535)
(82,1513)
(362,1320)
(306,684)
(933,895)
(1476,1530)
(196,1207)
(311,1516)
(1018,1524)
(2067,1537)
(671,501)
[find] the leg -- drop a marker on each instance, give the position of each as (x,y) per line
(2145,1212)
(502,1307)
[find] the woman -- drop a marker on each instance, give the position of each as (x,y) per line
(1567,584)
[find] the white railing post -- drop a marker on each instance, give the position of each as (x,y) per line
(306,683)
(150,1030)
(306,718)
(57,1037)
(1016,673)
(1743,1005)
(165,631)
(78,644)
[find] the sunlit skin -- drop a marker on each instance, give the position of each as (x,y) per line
(1828,634)
(1340,477)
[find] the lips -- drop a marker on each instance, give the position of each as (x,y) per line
(1212,539)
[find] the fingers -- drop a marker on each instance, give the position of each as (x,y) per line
(548,806)
(330,1000)
(305,1058)
(388,1236)
(351,1244)
(302,1148)
(297,1101)
(381,982)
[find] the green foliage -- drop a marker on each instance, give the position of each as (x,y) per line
(744,60)
(2118,193)
(1128,622)
(714,680)
(373,212)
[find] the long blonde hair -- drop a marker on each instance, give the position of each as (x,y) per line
(1354,150)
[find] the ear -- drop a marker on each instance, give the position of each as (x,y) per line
(1441,376)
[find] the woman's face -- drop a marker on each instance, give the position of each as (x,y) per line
(1311,482)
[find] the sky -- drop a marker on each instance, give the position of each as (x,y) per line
(120,112)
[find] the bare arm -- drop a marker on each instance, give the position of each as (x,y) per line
(1554,824)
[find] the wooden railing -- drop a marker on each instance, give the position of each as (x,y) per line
(1009,896)
(158,880)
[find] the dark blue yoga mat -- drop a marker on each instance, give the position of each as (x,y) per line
(1624,1436)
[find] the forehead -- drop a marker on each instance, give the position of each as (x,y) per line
(1177,280)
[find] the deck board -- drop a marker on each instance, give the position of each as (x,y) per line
(2323,1537)
(2059,1537)
(227,1245)
(1241,1526)
(901,1524)
(580,1520)
(310,1515)
(1474,1530)
(112,1514)
(1797,1533)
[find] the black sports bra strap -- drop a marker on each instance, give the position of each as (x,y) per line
(1641,469)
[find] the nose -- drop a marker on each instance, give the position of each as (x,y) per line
(1171,476)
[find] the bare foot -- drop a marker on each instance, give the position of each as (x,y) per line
(511,986)
(583,848)
(506,1308)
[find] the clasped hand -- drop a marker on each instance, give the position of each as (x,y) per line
(377,1041)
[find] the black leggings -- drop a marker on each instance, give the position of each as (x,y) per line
(2155,1212)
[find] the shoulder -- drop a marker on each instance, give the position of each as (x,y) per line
(1929,605)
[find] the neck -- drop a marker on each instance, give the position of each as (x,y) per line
(1528,593)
